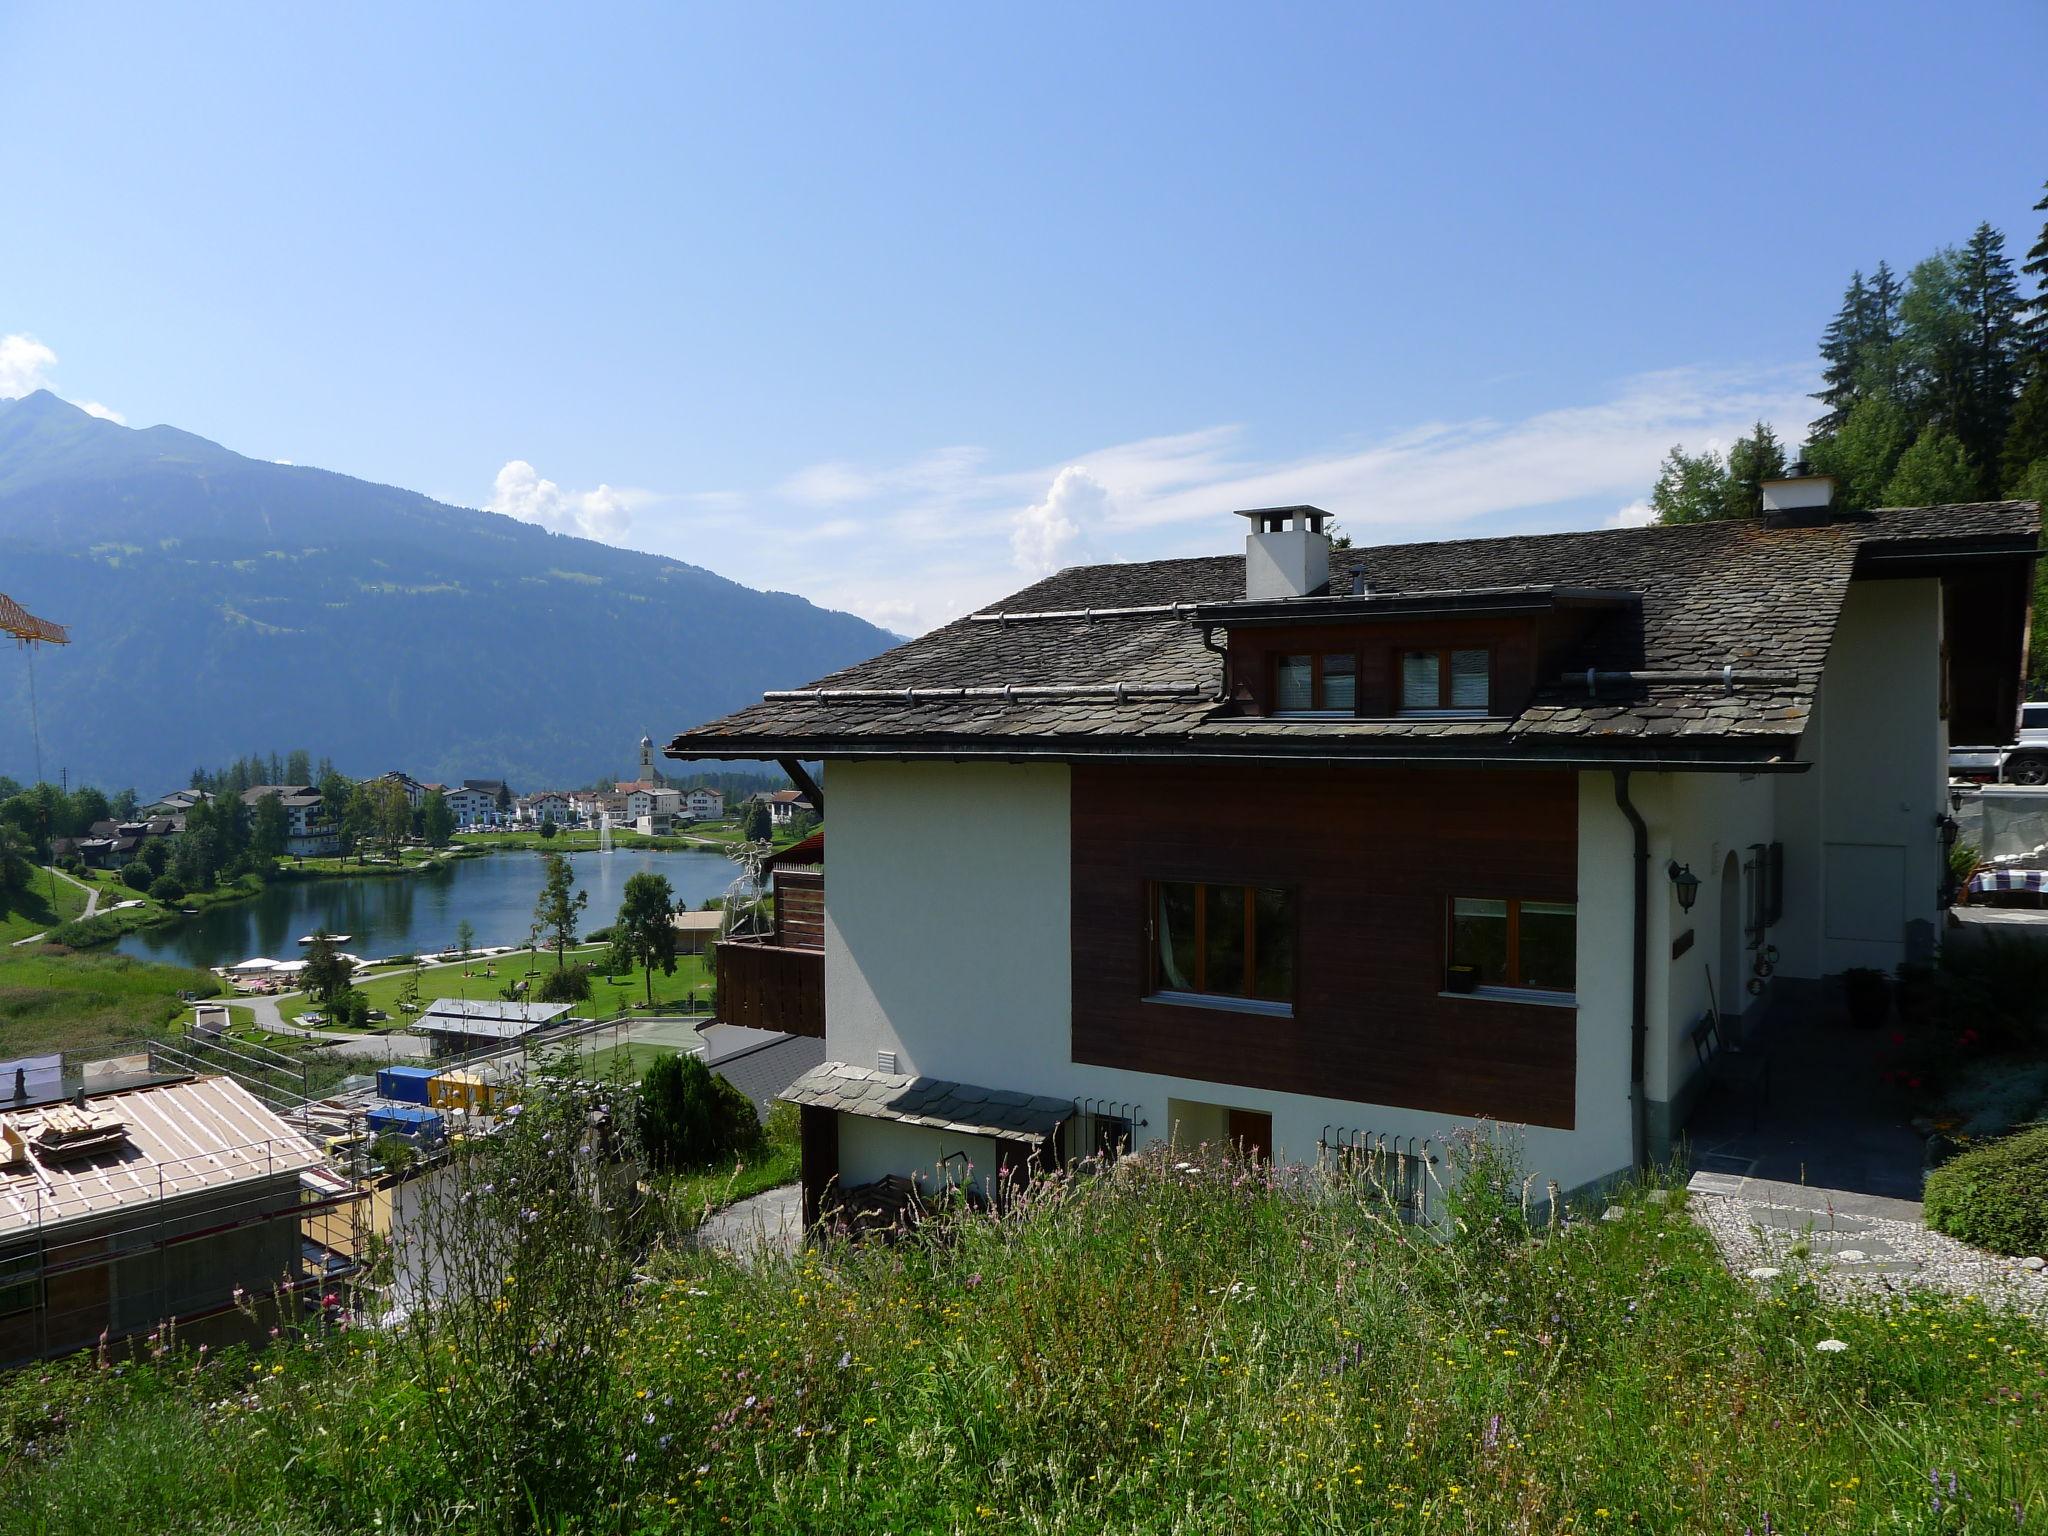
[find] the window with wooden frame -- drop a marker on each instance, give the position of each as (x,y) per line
(1224,943)
(1452,680)
(1321,684)
(1506,942)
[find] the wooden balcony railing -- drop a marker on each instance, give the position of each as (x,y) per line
(766,986)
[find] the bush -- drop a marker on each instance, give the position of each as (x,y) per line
(1996,1195)
(570,984)
(85,932)
(691,1118)
(547,830)
(136,876)
(167,888)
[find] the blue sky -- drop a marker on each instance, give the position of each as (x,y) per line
(897,306)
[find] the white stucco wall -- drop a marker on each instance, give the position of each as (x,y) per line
(1863,861)
(947,932)
(869,1149)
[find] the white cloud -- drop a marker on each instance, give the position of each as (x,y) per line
(1637,514)
(1045,532)
(25,367)
(521,492)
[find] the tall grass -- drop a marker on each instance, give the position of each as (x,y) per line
(1183,1343)
(53,999)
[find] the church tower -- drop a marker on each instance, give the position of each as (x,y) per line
(647,761)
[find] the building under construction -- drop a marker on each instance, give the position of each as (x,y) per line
(155,1202)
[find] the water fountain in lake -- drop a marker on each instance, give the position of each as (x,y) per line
(604,831)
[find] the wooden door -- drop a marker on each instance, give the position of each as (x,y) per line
(1252,1133)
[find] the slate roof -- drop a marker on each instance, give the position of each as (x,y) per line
(1760,597)
(928,1101)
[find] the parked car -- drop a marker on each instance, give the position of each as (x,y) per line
(2024,762)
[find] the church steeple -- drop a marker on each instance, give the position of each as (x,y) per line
(647,761)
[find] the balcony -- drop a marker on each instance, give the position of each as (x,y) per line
(771,986)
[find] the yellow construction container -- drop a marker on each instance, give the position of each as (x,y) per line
(462,1090)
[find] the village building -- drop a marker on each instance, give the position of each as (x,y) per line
(1311,846)
(162,1203)
(309,830)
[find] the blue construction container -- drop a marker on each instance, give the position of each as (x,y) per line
(408,1085)
(404,1120)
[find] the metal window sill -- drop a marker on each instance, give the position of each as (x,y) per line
(1517,995)
(1256,1005)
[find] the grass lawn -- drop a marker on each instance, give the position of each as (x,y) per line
(84,1002)
(628,1062)
(606,996)
(29,911)
(693,1196)
(1188,1346)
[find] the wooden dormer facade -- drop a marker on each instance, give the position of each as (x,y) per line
(1472,654)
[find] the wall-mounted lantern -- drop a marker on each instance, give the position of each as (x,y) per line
(1949,828)
(1686,882)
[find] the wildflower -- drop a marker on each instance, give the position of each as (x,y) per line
(1765,1272)
(845,1360)
(1831,1346)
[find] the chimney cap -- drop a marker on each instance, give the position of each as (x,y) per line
(1272,519)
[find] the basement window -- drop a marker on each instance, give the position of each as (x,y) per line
(1446,682)
(1324,684)
(1221,946)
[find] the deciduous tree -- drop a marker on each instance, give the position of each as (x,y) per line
(645,933)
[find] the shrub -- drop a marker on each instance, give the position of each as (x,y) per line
(690,1118)
(547,830)
(1996,1195)
(136,876)
(85,932)
(167,888)
(570,984)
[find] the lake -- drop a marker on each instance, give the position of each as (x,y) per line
(414,914)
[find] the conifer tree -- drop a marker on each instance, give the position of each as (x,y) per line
(1751,461)
(1690,487)
(1989,295)
(1842,347)
(2034,313)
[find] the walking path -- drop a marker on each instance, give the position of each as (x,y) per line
(768,1223)
(92,905)
(1853,1246)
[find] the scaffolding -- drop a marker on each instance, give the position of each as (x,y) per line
(248,1228)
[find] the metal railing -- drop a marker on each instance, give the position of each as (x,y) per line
(1402,1170)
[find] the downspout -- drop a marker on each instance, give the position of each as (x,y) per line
(1639,1017)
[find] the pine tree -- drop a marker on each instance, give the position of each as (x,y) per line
(2034,317)
(1843,347)
(1989,295)
(2026,438)
(1751,461)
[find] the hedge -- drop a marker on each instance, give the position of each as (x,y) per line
(1995,1195)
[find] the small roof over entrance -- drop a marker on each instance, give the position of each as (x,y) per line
(928,1101)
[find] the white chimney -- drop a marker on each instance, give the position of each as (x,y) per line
(1286,554)
(1800,490)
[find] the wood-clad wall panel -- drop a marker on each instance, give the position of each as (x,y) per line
(1373,855)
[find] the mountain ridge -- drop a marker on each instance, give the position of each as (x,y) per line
(221,604)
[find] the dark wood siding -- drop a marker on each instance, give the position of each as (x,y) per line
(1373,855)
(800,908)
(765,986)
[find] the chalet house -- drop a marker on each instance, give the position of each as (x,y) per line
(309,830)
(703,804)
(785,805)
(1309,843)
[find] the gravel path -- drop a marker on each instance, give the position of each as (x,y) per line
(1854,1246)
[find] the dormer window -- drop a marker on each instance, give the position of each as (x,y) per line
(1446,682)
(1317,684)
